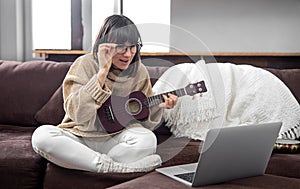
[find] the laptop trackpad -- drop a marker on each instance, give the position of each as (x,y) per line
(189,167)
(178,169)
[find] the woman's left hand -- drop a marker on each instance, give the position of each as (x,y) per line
(170,101)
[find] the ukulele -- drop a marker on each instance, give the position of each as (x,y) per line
(116,112)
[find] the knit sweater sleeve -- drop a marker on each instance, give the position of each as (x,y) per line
(83,94)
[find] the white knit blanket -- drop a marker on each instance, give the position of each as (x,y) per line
(237,95)
(183,119)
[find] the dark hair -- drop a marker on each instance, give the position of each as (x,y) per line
(120,29)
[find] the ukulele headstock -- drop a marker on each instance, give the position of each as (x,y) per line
(195,88)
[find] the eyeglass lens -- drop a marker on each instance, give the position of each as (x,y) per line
(123,48)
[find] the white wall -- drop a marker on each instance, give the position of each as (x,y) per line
(236,25)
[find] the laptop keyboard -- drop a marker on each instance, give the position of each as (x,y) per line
(186,176)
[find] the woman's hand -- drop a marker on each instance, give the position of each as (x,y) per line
(170,101)
(106,51)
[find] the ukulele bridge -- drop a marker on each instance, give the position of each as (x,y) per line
(109,114)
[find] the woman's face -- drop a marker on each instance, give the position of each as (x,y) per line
(124,55)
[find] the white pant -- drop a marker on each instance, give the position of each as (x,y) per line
(69,151)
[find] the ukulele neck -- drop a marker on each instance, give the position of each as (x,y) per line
(157,99)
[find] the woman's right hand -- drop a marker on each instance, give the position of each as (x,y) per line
(106,51)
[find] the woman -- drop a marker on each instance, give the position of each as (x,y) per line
(81,141)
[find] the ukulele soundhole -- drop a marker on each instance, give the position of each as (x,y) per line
(133,106)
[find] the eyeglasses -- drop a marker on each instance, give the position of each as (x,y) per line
(121,48)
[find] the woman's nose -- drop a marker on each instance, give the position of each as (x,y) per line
(127,52)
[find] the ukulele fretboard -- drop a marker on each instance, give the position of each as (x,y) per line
(157,99)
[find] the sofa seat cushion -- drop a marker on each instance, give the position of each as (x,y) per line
(287,165)
(58,177)
(20,166)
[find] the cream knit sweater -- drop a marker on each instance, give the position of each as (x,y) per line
(83,96)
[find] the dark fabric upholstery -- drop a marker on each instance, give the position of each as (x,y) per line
(287,165)
(26,87)
(61,178)
(158,181)
(20,166)
(155,72)
(53,111)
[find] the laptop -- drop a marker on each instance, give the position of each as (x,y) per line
(229,153)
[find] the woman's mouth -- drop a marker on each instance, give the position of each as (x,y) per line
(124,61)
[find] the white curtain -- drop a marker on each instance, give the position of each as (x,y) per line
(15,30)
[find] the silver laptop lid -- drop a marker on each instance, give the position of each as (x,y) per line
(235,152)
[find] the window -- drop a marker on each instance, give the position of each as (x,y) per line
(154,28)
(51,24)
(100,10)
(51,20)
(153,21)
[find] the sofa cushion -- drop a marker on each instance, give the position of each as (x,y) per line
(58,177)
(52,112)
(155,72)
(26,87)
(282,164)
(20,166)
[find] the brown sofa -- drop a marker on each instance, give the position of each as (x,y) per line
(31,96)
